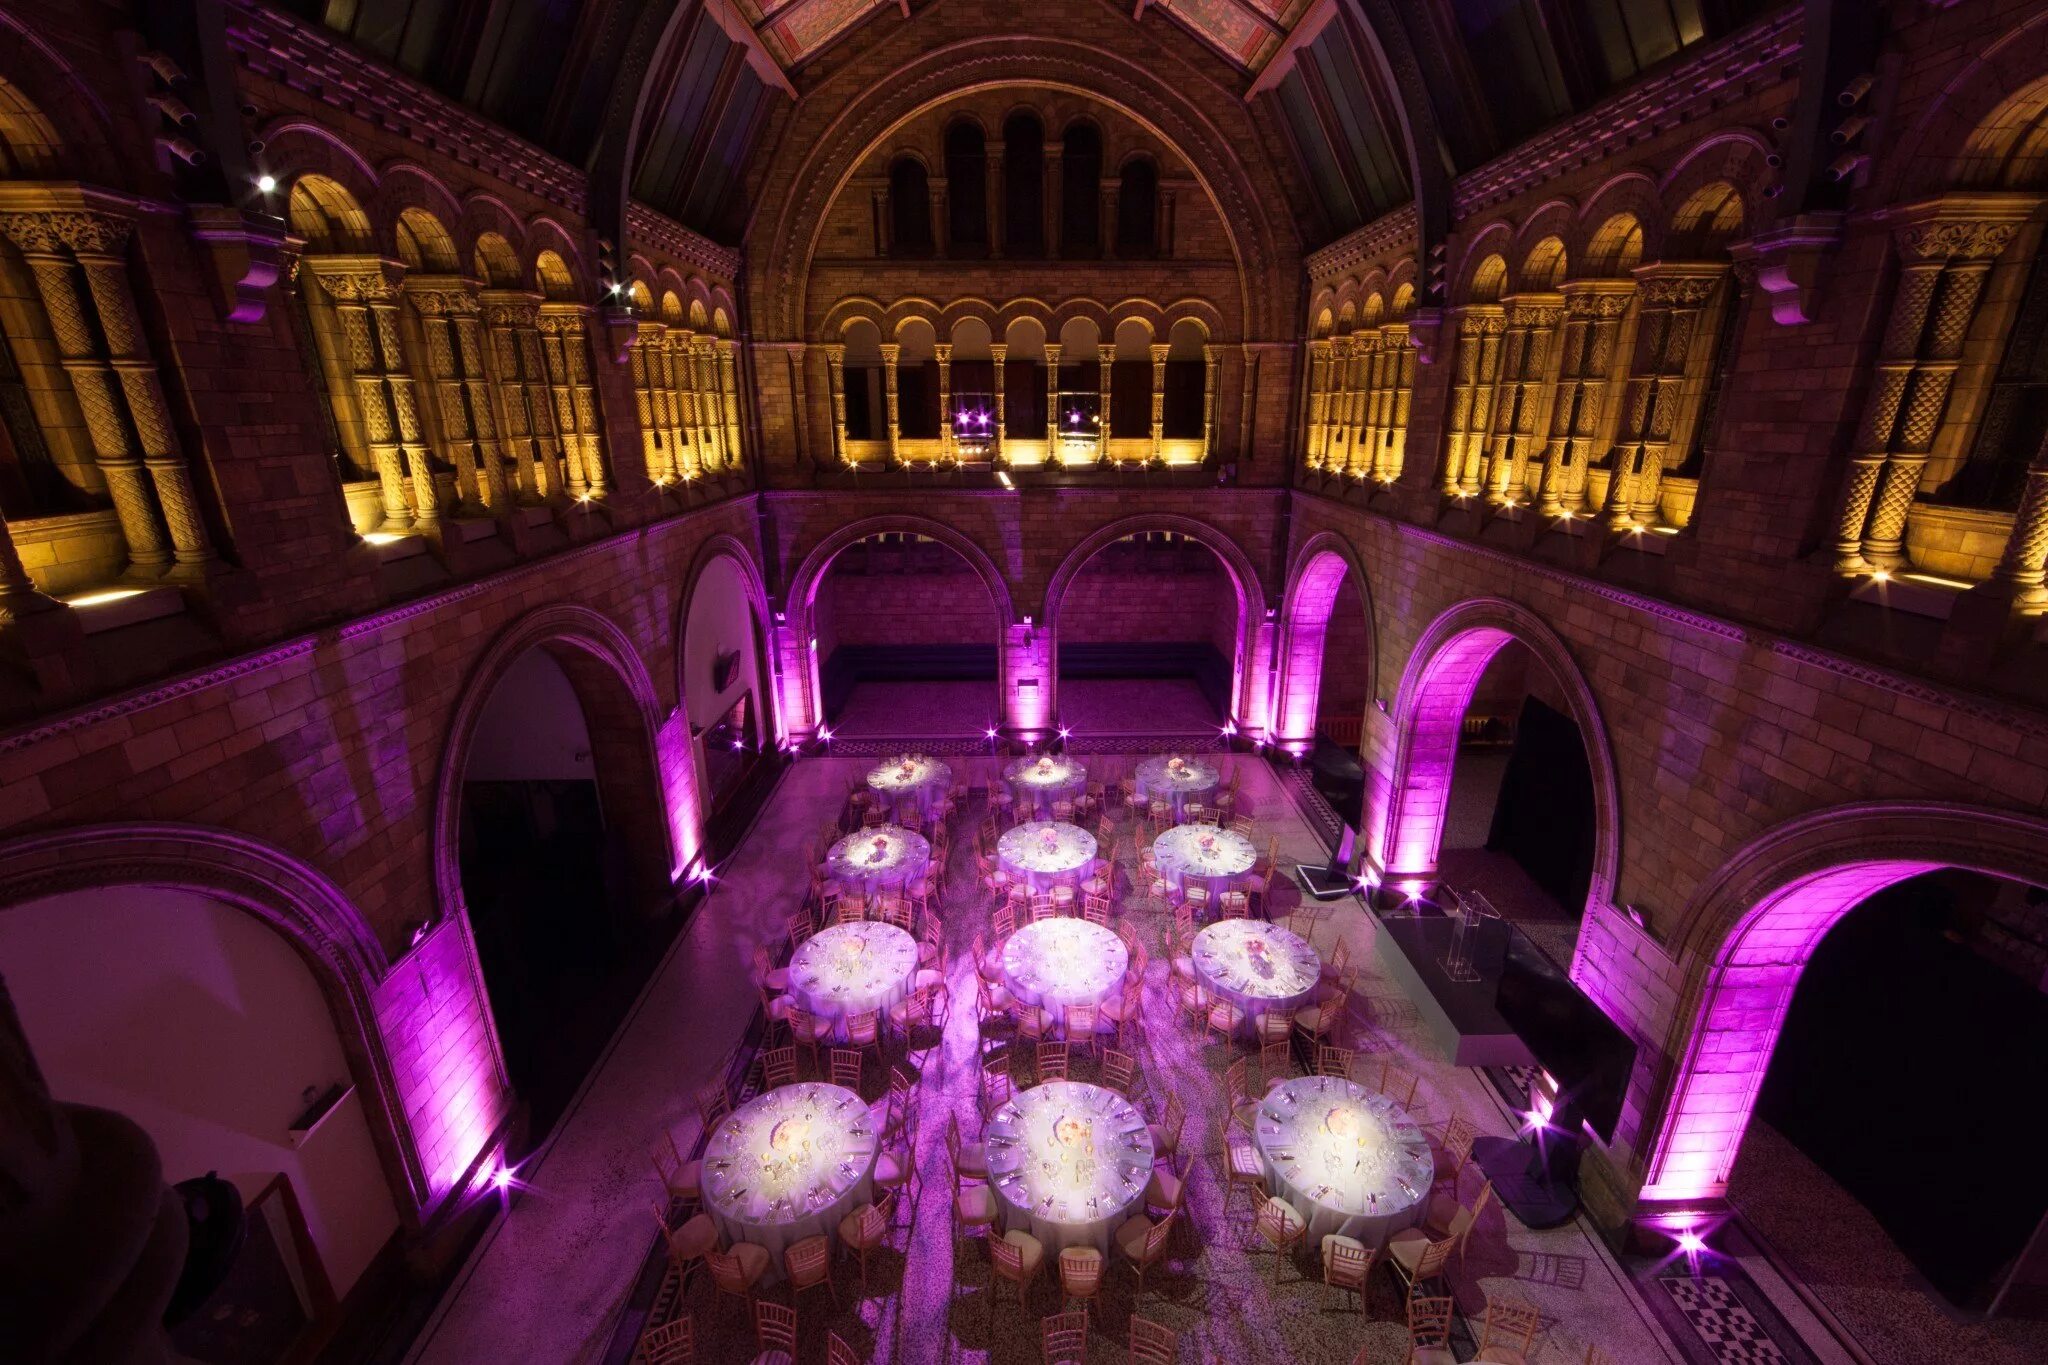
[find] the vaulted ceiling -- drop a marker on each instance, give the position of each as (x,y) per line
(697,79)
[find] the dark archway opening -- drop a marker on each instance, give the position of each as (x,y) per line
(1023,185)
(564,868)
(1081,191)
(1342,694)
(1891,1134)
(966,190)
(1148,634)
(906,640)
(1520,825)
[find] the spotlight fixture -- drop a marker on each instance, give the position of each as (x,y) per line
(1691,1243)
(266,184)
(501,1178)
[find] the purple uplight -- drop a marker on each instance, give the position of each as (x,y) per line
(501,1178)
(990,732)
(1691,1243)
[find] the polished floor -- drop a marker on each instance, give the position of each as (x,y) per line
(554,1276)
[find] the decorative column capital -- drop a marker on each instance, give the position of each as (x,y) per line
(835,351)
(943,352)
(1956,228)
(355,279)
(1679,284)
(437,296)
(1160,350)
(1597,298)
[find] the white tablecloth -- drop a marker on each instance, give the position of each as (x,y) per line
(1038,782)
(1256,966)
(1348,1159)
(1070,1163)
(1204,855)
(1041,853)
(851,969)
(1159,780)
(882,858)
(912,786)
(1059,962)
(790,1165)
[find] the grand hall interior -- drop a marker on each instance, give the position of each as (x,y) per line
(1023,682)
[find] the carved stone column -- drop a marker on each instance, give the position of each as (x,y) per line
(100,244)
(835,373)
(361,289)
(19,595)
(1372,355)
(1318,402)
(1593,315)
(1337,451)
(707,421)
(42,246)
(2021,569)
(1212,357)
(1672,299)
(447,311)
(891,352)
(1106,354)
(1159,353)
(512,328)
(565,353)
(1947,248)
(650,400)
(728,397)
(1526,374)
(1052,401)
(1396,388)
(943,353)
(999,354)
(1472,391)
(689,436)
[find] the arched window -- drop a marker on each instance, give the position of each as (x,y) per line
(2016,416)
(1081,190)
(1023,185)
(910,208)
(966,189)
(1137,209)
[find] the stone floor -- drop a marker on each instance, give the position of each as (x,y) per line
(554,1273)
(1836,1250)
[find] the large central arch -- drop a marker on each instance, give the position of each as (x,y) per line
(1436,688)
(1754,927)
(803,687)
(1247,672)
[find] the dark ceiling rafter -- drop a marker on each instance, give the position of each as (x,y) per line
(1381,34)
(656,27)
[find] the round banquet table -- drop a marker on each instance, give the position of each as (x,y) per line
(1256,966)
(1203,855)
(880,858)
(1055,963)
(911,785)
(1159,780)
(1348,1159)
(1038,782)
(1069,1163)
(790,1165)
(851,969)
(1040,853)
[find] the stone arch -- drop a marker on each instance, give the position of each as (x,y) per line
(1751,930)
(423,242)
(81,121)
(618,699)
(1247,686)
(1737,156)
(293,147)
(1495,241)
(1436,687)
(289,896)
(406,188)
(818,168)
(327,216)
(1632,193)
(802,686)
(1925,160)
(495,261)
(1313,579)
(546,236)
